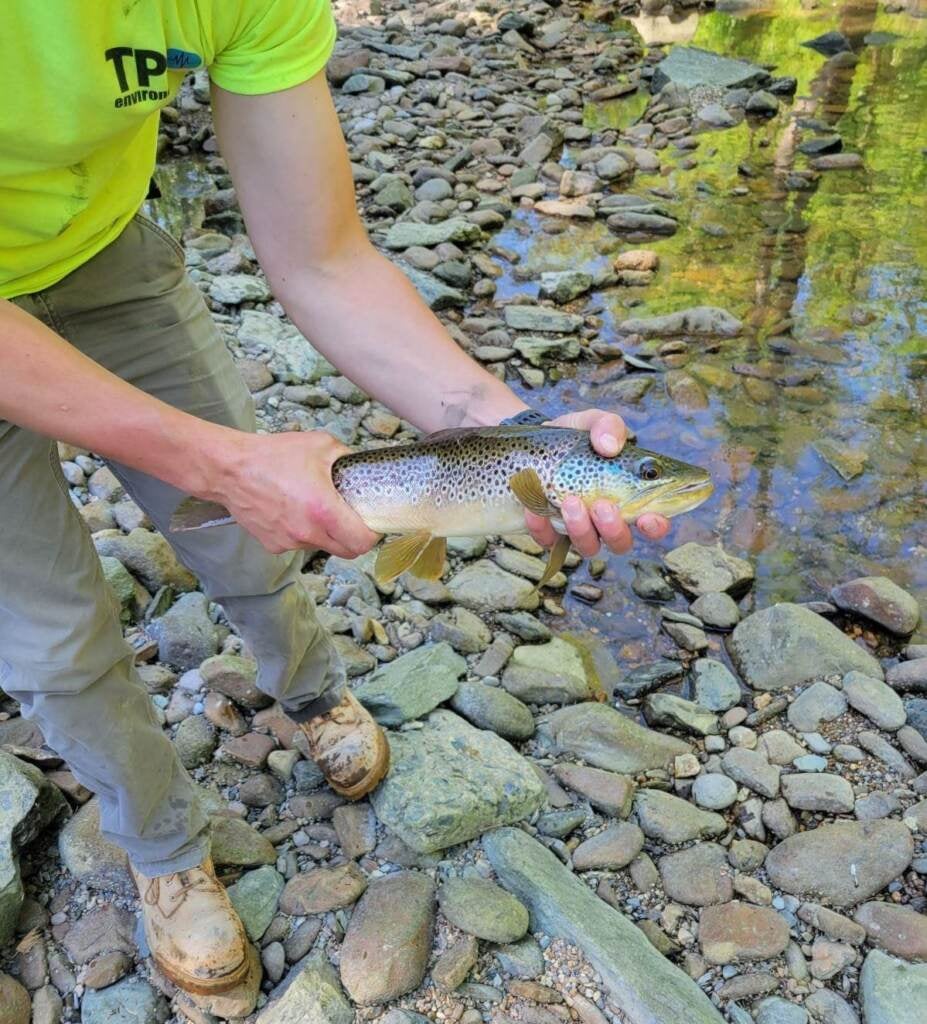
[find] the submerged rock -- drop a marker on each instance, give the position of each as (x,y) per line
(450,782)
(690,66)
(700,320)
(700,569)
(643,983)
(786,645)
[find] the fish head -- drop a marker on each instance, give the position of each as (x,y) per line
(636,480)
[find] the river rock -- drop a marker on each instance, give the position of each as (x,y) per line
(454,965)
(820,702)
(235,843)
(436,294)
(388,942)
(412,685)
(131,999)
(714,791)
(880,600)
(714,685)
(91,859)
(900,931)
(293,359)
(609,850)
(642,680)
(691,67)
(701,569)
(829,44)
(464,631)
(542,318)
(551,673)
(787,645)
(323,889)
(698,876)
(14,1001)
(606,791)
(718,610)
(255,897)
(638,978)
(148,556)
(844,863)
(735,932)
(892,991)
(234,677)
(484,587)
(775,1010)
(674,820)
(751,768)
(185,633)
(28,803)
(195,741)
(481,908)
(908,676)
(450,782)
(666,710)
(698,320)
(872,698)
(311,996)
(405,234)
(826,1007)
(818,791)
(607,739)
(490,707)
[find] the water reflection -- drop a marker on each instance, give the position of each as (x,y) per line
(828,274)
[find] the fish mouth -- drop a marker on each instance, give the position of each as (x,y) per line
(672,500)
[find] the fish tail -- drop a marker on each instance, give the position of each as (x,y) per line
(197,514)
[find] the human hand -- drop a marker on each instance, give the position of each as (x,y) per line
(590,527)
(279,488)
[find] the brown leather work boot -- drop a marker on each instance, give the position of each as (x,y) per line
(349,747)
(194,935)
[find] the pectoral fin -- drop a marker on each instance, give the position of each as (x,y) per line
(555,562)
(196,514)
(397,555)
(430,563)
(528,487)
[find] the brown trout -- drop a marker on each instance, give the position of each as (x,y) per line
(480,480)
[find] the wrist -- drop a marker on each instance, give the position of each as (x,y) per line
(216,463)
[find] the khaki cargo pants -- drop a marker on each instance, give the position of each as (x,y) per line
(133,309)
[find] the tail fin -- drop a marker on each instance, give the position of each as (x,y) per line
(196,514)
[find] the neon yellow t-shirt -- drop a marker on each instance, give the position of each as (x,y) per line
(81,85)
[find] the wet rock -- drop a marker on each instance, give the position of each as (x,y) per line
(312,995)
(787,645)
(688,637)
(185,633)
(900,931)
(698,876)
(489,707)
(762,104)
(148,556)
(666,710)
(607,739)
(649,582)
(701,569)
(640,681)
(880,600)
(892,991)
(818,792)
(484,587)
(829,43)
(464,631)
(714,685)
(129,1000)
(818,703)
(551,673)
(89,857)
(718,610)
(412,685)
(255,897)
(714,791)
(564,285)
(715,116)
(606,791)
(674,820)
(697,320)
(541,318)
(848,462)
(453,966)
(609,850)
(386,949)
(751,768)
(323,889)
(736,932)
(690,67)
(481,908)
(844,863)
(450,782)
(872,698)
(637,977)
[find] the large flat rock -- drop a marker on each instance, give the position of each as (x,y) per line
(787,645)
(412,685)
(648,988)
(608,739)
(450,782)
(692,67)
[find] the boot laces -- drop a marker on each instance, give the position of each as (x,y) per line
(201,882)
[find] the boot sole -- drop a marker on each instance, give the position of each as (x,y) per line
(200,987)
(373,778)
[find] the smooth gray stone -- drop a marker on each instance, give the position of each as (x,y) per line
(648,988)
(892,991)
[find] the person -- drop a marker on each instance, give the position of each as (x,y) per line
(106,343)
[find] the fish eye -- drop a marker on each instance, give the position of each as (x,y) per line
(649,469)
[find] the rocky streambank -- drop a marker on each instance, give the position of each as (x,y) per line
(730,826)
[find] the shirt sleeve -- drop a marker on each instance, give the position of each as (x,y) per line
(271,45)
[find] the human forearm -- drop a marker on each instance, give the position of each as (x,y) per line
(420,372)
(50,387)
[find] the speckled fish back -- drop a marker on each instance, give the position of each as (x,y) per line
(455,482)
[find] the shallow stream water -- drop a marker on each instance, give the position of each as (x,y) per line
(831,282)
